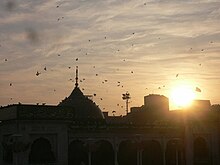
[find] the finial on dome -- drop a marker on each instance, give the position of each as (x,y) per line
(76,84)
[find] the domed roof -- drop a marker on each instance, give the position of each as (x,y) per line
(84,107)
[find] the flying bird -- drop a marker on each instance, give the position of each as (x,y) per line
(38,73)
(177,74)
(198,89)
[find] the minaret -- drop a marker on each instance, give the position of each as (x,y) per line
(76,84)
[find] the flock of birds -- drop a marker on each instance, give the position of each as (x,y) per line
(38,73)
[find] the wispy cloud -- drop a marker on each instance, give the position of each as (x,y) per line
(155,39)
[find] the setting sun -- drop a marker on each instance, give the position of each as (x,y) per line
(182,96)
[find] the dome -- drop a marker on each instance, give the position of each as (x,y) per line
(84,107)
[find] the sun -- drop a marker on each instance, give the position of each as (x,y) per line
(182,96)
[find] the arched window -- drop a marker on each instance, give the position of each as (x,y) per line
(174,152)
(127,153)
(104,153)
(7,146)
(201,152)
(41,152)
(7,153)
(77,153)
(152,153)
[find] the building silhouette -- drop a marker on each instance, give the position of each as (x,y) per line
(77,132)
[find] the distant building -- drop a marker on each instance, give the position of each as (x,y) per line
(155,102)
(200,105)
(77,132)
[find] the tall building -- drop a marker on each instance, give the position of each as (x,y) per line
(77,132)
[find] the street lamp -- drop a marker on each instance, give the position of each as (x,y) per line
(126,97)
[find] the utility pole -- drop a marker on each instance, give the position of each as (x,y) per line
(126,97)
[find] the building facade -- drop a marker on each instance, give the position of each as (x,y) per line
(77,132)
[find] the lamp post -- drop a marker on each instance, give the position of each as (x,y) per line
(126,97)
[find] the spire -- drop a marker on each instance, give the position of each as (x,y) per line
(76,84)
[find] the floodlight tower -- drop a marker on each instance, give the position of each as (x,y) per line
(126,97)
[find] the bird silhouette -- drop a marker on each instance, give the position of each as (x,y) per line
(198,89)
(38,73)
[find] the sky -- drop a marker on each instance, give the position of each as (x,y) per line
(137,46)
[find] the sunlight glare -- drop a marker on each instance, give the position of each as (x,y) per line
(182,96)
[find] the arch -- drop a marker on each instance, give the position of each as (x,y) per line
(127,153)
(201,152)
(103,154)
(77,153)
(7,153)
(174,152)
(152,153)
(41,152)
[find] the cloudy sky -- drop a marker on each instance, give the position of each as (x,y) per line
(137,46)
